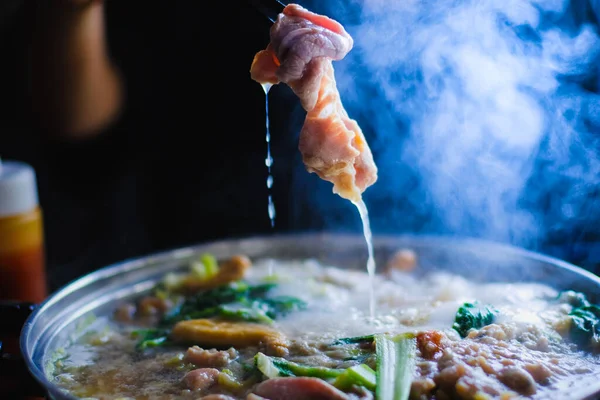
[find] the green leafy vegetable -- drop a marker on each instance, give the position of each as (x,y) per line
(236,301)
(473,316)
(585,326)
(576,299)
(282,305)
(395,365)
(355,339)
(149,338)
(272,367)
(230,293)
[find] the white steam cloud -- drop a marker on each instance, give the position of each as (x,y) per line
(477,112)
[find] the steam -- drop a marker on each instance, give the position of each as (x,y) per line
(477,112)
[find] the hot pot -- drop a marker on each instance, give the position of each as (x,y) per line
(51,323)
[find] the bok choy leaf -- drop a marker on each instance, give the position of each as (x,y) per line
(395,365)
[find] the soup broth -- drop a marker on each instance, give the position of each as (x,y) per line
(304,330)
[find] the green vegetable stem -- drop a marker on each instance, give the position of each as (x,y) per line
(396,357)
(343,379)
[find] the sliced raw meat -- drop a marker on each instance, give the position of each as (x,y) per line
(300,54)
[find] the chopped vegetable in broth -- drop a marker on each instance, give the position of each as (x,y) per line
(274,329)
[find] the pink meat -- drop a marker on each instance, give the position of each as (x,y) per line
(298,388)
(300,54)
(201,379)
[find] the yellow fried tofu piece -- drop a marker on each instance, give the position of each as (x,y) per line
(217,333)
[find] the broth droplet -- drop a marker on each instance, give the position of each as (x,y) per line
(364,216)
(269,158)
(269,164)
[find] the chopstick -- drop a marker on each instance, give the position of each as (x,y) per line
(269,8)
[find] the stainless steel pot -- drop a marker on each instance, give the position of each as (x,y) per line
(51,324)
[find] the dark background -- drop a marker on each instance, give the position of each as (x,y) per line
(185,162)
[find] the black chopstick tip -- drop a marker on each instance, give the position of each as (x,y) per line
(269,8)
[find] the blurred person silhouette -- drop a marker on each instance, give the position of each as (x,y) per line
(143,124)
